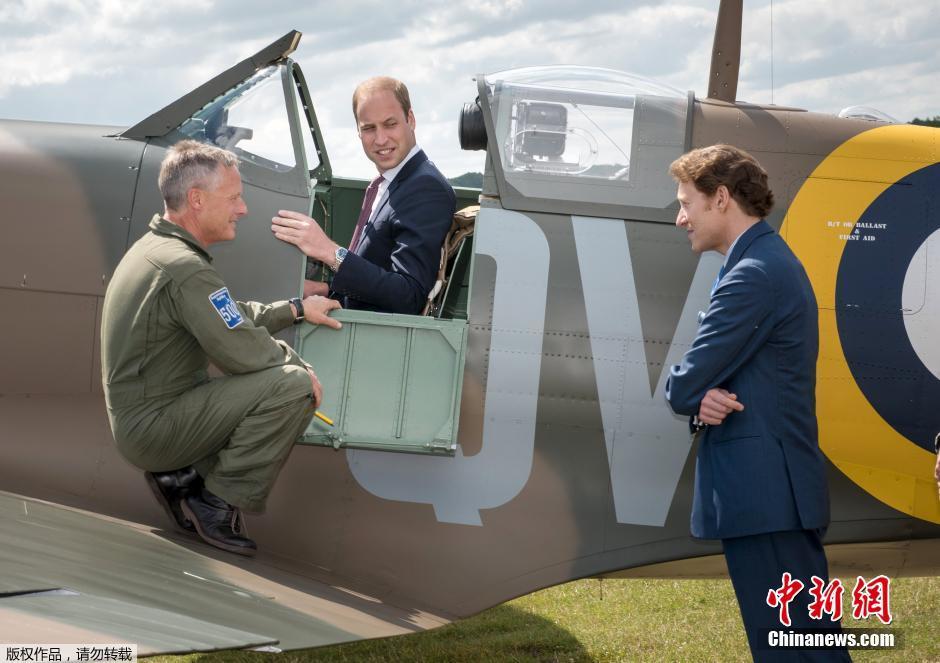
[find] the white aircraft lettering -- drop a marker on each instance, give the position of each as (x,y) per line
(646,444)
(459,487)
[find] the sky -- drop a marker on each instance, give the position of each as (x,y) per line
(115,62)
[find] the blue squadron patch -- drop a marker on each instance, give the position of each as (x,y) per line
(226,307)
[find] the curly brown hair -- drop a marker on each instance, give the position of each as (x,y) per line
(710,167)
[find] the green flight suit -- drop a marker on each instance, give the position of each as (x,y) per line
(167,314)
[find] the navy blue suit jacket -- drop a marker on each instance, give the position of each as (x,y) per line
(761,470)
(398,257)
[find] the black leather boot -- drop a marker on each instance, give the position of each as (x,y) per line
(218,523)
(170,488)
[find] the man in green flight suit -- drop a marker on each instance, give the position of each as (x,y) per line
(210,447)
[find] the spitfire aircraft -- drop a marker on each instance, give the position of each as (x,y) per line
(516,437)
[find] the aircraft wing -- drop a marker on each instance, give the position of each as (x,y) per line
(71,576)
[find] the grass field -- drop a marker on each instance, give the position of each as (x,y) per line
(615,620)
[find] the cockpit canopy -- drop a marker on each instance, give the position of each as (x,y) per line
(867,113)
(586,134)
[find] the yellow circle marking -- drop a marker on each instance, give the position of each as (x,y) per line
(851,432)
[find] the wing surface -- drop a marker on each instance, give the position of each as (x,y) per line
(68,575)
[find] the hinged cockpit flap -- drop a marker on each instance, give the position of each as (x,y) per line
(171,116)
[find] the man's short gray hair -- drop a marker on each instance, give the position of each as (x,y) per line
(190,164)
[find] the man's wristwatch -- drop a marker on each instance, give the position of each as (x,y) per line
(339,257)
(299,307)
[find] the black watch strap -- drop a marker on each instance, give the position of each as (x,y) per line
(299,307)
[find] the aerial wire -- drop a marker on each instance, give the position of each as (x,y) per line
(771,52)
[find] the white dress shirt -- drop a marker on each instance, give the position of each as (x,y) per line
(387,178)
(724,265)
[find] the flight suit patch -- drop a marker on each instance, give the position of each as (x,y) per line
(226,307)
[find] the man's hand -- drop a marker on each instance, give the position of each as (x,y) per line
(317,389)
(316,309)
(717,404)
(304,233)
(315,288)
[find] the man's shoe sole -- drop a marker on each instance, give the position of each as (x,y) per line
(167,507)
(238,550)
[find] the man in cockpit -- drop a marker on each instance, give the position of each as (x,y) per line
(392,262)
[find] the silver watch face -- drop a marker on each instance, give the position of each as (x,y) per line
(341,254)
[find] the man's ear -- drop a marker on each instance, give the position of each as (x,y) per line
(411,119)
(195,198)
(722,198)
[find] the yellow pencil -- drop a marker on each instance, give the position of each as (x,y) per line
(322,417)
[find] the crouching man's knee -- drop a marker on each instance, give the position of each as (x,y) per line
(288,383)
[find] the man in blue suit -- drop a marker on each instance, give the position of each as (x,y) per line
(392,262)
(748,382)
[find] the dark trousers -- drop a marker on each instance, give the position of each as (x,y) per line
(756,564)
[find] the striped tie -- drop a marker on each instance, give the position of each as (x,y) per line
(366,211)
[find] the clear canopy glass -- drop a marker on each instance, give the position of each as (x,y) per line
(867,113)
(584,79)
(587,133)
(251,120)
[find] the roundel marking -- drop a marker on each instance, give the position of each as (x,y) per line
(874,178)
(924,279)
(871,311)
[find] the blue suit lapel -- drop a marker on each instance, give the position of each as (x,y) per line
(419,158)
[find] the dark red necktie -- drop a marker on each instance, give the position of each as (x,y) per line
(366,211)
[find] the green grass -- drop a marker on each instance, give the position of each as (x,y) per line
(614,620)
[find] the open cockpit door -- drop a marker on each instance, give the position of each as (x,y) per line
(260,110)
(393,382)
